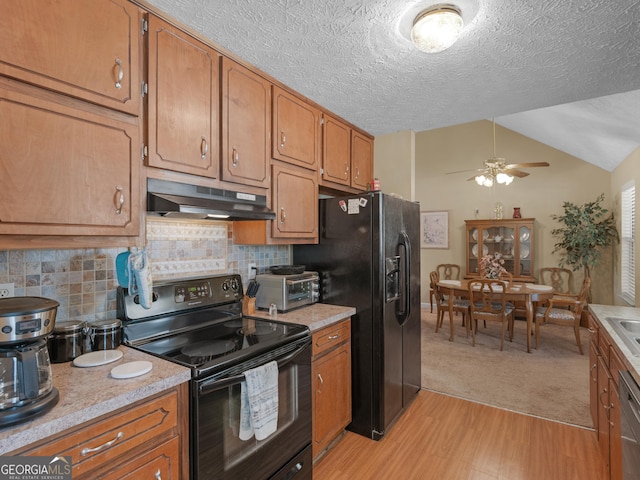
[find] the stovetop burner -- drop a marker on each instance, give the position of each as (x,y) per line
(201,352)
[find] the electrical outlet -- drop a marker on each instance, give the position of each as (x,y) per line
(6,290)
(251,270)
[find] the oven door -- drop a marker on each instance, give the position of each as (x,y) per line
(216,448)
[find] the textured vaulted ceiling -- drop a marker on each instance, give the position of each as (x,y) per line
(548,69)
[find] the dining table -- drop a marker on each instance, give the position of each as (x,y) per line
(528,293)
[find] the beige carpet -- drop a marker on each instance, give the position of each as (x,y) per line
(551,382)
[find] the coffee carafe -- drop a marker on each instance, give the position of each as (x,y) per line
(26,378)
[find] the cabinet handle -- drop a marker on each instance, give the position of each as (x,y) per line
(87,450)
(604,390)
(119,73)
(591,331)
(346,170)
(118,199)
(204,148)
(283,216)
(333,337)
(357,173)
(235,158)
(283,138)
(321,380)
(159,475)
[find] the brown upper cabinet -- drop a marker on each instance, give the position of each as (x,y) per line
(296,130)
(347,156)
(246,127)
(295,201)
(361,160)
(88,50)
(67,171)
(183,102)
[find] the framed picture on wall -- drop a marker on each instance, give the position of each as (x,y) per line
(434,229)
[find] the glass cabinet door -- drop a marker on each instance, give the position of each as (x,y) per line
(525,251)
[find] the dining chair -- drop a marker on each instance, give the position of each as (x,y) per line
(555,311)
(460,305)
(488,302)
(561,279)
(446,271)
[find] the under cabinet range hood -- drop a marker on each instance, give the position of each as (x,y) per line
(180,200)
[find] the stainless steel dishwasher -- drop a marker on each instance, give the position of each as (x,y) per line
(630,425)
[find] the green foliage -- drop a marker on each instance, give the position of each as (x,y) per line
(586,229)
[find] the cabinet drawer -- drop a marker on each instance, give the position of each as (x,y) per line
(115,436)
(161,462)
(331,336)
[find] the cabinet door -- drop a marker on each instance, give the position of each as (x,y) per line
(88,49)
(615,434)
(593,385)
(525,251)
(66,171)
(603,410)
(296,130)
(336,151)
(361,161)
(332,392)
(184,102)
(246,128)
(295,201)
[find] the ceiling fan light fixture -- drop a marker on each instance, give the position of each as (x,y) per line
(504,178)
(437,28)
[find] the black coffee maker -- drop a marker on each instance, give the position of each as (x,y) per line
(26,379)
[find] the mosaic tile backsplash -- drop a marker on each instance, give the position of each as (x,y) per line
(84,281)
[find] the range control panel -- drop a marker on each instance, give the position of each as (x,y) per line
(177,295)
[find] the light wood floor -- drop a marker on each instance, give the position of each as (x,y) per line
(441,437)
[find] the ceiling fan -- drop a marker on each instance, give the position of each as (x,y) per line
(497,170)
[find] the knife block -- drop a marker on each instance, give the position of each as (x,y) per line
(248,305)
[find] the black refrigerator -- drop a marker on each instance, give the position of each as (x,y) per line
(368,257)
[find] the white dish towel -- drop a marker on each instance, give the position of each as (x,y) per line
(259,402)
(140,281)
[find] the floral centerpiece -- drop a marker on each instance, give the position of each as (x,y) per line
(491,265)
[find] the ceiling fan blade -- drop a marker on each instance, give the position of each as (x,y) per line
(465,171)
(527,165)
(516,173)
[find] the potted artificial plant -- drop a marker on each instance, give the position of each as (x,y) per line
(585,230)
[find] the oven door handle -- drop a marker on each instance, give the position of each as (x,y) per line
(211,385)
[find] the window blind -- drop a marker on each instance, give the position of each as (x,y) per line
(627,238)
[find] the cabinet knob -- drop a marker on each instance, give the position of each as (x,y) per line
(204,148)
(118,199)
(118,73)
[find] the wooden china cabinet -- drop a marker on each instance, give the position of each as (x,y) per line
(512,238)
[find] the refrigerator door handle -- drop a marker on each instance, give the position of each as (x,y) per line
(403,306)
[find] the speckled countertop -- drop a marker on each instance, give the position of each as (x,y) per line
(314,316)
(87,393)
(602,312)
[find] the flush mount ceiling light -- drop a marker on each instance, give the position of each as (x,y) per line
(437,28)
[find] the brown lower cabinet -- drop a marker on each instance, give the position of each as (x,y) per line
(331,374)
(605,364)
(148,439)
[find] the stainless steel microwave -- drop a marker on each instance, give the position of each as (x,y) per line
(287,292)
